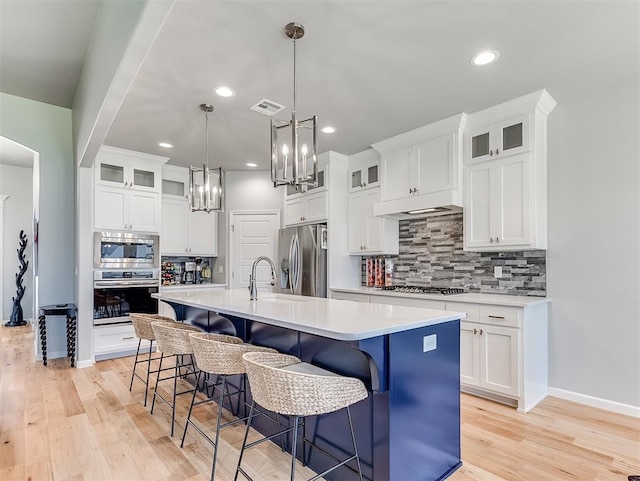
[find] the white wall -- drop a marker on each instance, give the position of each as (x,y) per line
(593,258)
(46,129)
(244,190)
(17,183)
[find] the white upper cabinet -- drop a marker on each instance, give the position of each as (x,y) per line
(364,170)
(505,184)
(369,234)
(184,232)
(306,209)
(311,205)
(507,137)
(499,212)
(127,190)
(422,169)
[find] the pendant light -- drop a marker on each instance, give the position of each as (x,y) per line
(294,163)
(205,184)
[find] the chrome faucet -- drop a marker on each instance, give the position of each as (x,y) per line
(253,290)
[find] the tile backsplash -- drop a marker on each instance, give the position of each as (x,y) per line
(431,255)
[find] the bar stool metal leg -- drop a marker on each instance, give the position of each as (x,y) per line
(135,363)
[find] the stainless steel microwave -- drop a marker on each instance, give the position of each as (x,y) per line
(125,250)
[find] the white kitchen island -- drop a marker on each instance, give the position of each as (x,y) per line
(409,427)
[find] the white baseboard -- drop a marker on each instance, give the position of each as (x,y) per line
(613,406)
(83,364)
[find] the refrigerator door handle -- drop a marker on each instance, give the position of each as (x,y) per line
(293,264)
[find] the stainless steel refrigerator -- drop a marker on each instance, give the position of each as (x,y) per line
(302,260)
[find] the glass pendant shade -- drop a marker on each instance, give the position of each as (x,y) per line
(206,185)
(294,143)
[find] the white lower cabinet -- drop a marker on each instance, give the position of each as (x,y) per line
(115,341)
(489,357)
(503,349)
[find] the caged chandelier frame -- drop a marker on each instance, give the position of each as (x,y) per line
(290,163)
(206,185)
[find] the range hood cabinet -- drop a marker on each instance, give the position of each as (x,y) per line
(421,171)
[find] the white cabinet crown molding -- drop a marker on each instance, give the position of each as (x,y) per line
(109,151)
(364,156)
(435,129)
(540,100)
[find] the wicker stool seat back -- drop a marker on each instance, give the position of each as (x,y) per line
(296,393)
(142,324)
(285,385)
(221,354)
(173,337)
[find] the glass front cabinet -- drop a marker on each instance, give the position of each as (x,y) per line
(499,140)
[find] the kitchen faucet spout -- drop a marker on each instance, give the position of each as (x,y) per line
(253,289)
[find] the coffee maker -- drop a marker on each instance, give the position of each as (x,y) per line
(189,275)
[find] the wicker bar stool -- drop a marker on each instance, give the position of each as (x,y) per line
(173,340)
(220,355)
(142,327)
(283,384)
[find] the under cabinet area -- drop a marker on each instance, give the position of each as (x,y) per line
(127,190)
(184,232)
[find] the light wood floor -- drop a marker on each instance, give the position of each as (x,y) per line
(84,425)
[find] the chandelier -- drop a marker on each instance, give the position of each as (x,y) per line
(295,163)
(205,184)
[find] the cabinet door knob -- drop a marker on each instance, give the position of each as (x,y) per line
(497,239)
(497,151)
(481,332)
(475,331)
(491,153)
(491,239)
(364,184)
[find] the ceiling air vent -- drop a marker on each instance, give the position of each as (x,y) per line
(267,107)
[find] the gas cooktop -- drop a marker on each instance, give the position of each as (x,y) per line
(445,291)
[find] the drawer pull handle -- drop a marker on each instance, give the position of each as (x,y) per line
(496,317)
(127,338)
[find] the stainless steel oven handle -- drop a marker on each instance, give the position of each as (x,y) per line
(115,284)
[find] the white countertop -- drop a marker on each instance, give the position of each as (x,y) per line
(475,298)
(343,320)
(192,286)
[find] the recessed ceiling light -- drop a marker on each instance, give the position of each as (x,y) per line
(485,57)
(251,164)
(166,145)
(223,91)
(328,130)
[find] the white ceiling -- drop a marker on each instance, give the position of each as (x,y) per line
(372,69)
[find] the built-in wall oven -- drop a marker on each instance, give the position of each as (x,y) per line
(126,273)
(118,293)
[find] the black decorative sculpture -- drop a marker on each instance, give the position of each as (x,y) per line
(17,318)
